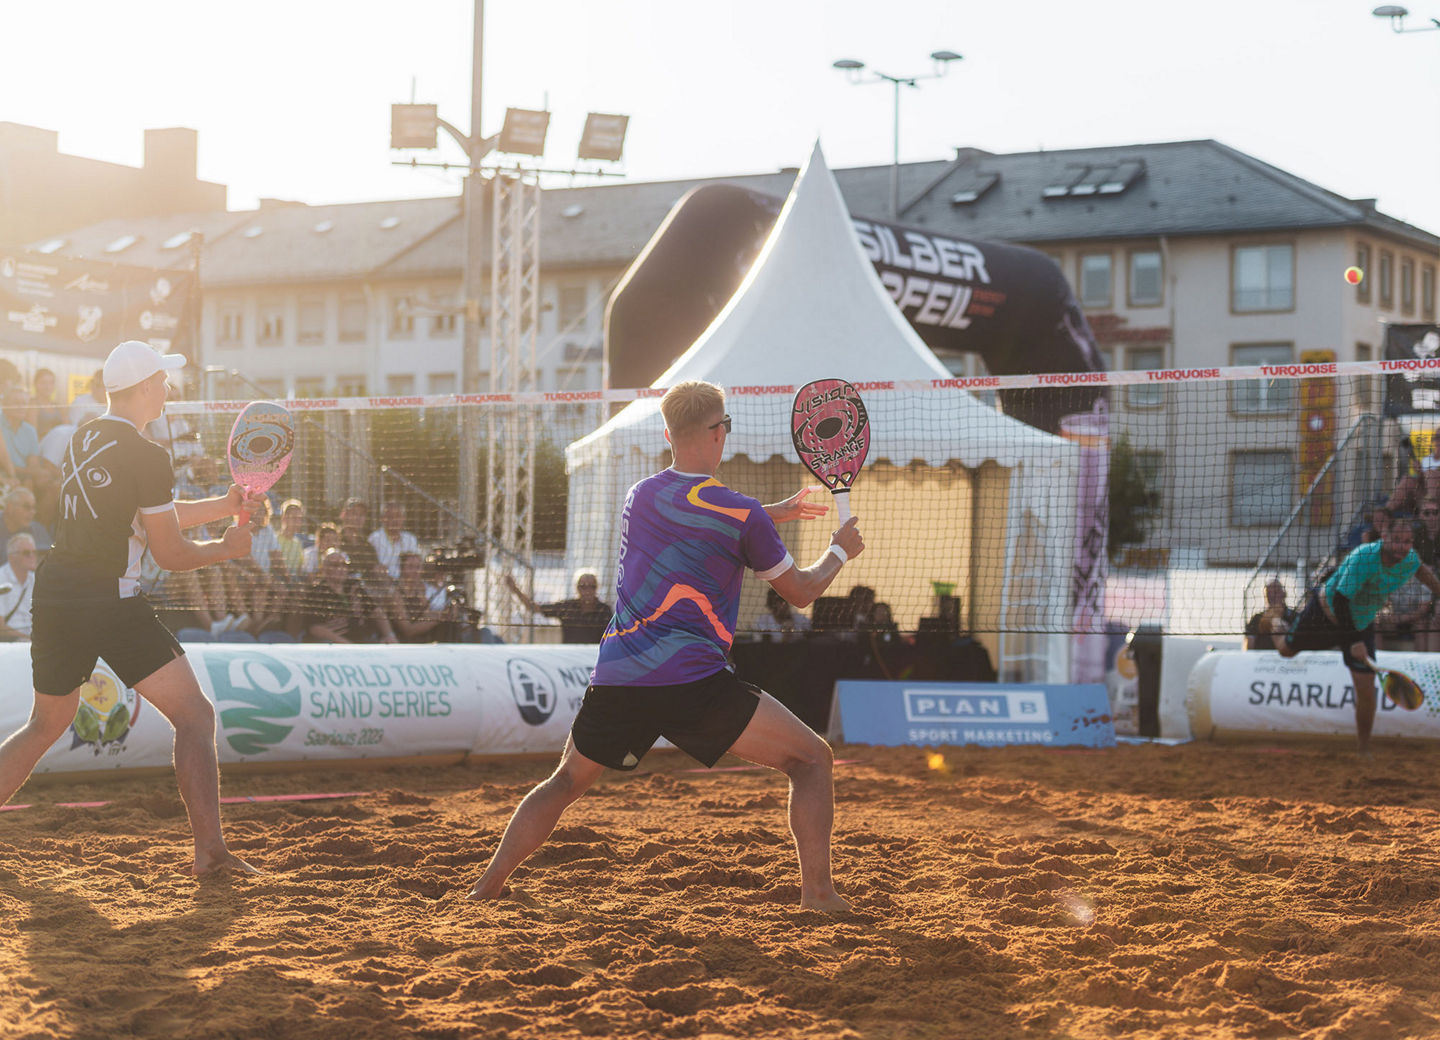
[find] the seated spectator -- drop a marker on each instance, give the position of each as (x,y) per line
(1258,628)
(19,517)
(338,610)
(1410,608)
(354,520)
(264,544)
(781,622)
(17,578)
(583,619)
(1427,532)
(261,601)
(326,538)
(390,539)
(48,413)
(22,444)
(92,404)
(291,537)
(869,614)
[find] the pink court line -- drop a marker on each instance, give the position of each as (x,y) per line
(753,769)
(236,800)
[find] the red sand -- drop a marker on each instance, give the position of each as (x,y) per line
(1191,891)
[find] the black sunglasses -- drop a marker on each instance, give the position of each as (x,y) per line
(725,422)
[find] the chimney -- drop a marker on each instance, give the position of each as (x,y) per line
(171,153)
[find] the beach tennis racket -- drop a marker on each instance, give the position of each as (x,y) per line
(831,433)
(261,442)
(1402,689)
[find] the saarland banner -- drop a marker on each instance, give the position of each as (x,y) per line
(84,307)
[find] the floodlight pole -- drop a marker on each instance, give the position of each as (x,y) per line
(852,68)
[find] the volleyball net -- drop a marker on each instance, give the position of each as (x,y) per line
(1048,504)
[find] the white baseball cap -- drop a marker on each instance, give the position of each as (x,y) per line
(134,361)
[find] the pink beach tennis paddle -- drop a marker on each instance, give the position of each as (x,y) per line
(831,432)
(261,442)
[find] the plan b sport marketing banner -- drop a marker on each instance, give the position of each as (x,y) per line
(277,703)
(84,307)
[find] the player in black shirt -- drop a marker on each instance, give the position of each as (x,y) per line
(115,500)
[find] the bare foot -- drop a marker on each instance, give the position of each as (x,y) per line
(830,902)
(484,893)
(224,863)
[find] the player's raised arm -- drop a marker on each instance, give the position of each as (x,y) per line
(174,552)
(801,586)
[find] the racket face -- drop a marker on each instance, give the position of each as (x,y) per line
(831,431)
(1403,690)
(261,442)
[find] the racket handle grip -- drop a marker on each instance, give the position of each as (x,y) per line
(842,505)
(242,518)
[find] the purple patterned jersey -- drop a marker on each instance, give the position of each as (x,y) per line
(685,541)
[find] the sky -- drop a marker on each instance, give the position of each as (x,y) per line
(291,99)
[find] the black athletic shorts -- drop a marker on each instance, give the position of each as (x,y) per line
(617,725)
(1314,630)
(66,639)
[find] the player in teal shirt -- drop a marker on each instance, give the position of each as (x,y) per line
(1342,613)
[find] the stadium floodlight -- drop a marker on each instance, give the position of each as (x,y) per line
(603,137)
(852,69)
(1397,15)
(523,132)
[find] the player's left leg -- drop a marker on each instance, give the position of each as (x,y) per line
(49,719)
(175,692)
(1365,702)
(776,738)
(535,817)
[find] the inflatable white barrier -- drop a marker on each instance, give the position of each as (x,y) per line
(277,703)
(1235,695)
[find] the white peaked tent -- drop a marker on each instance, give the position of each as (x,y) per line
(971,495)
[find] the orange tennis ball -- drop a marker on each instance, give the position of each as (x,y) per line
(1353,275)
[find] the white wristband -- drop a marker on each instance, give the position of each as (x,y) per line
(839,553)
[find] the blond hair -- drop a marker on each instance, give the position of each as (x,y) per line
(686,406)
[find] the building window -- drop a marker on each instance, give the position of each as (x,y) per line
(309,387)
(350,386)
(1387,280)
(273,389)
(572,309)
(270,331)
(232,328)
(1146,284)
(1362,261)
(441,382)
(442,322)
(1095,280)
(402,318)
(1262,488)
(1264,397)
(1407,285)
(1144,359)
(310,324)
(400,384)
(1427,292)
(1263,279)
(352,319)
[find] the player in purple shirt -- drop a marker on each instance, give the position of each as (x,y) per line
(685,542)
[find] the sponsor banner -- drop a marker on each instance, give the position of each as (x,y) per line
(84,307)
(991,714)
(1412,355)
(291,703)
(1310,693)
(1317,438)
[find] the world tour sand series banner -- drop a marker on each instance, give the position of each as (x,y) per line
(291,703)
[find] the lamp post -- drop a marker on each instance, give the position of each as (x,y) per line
(1397,15)
(852,70)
